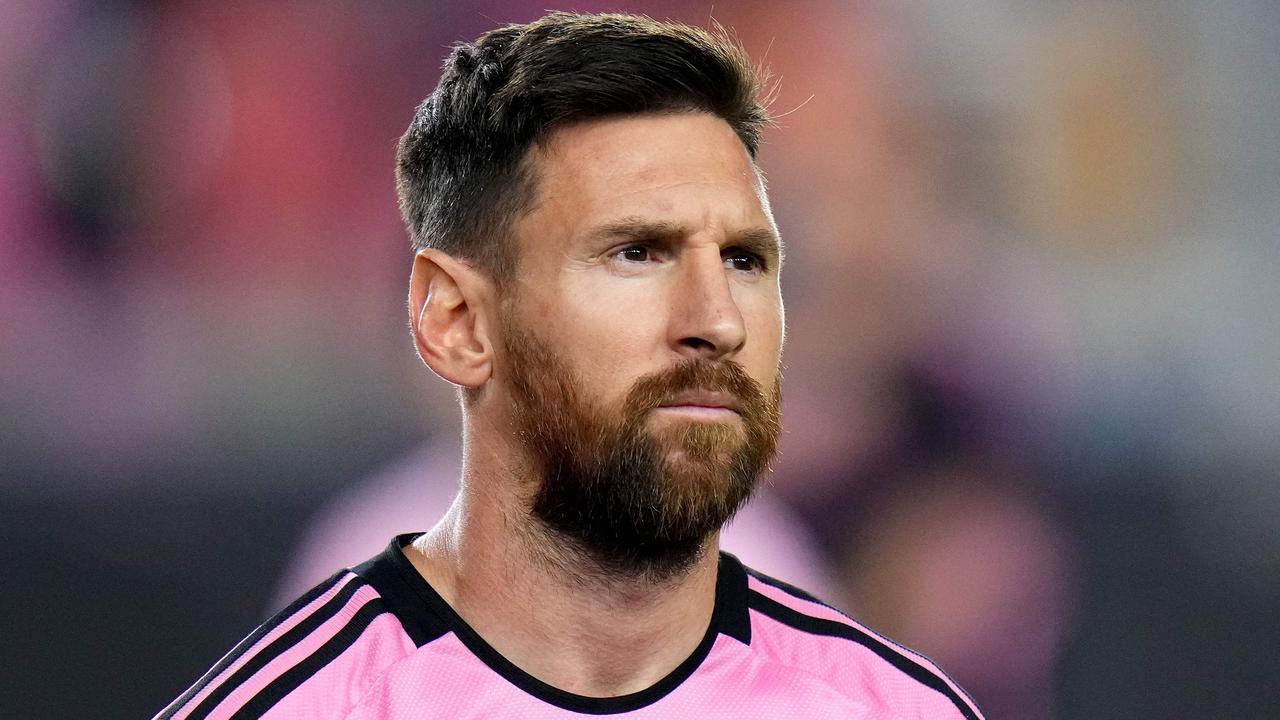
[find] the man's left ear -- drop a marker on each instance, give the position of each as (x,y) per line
(448,303)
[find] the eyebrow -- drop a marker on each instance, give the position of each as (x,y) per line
(761,240)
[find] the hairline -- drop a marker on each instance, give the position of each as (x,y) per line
(526,179)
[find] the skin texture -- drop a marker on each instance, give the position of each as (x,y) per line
(650,244)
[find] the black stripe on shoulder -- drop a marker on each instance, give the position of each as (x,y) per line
(249,641)
(801,594)
(787,588)
(277,648)
(886,651)
(316,661)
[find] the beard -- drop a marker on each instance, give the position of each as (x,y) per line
(637,502)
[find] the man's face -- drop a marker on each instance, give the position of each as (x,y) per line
(642,336)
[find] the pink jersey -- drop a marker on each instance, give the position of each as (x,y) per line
(377,643)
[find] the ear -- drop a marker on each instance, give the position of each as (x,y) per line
(448,302)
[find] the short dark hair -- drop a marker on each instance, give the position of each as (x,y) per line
(461,169)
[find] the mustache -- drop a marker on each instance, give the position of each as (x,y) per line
(653,390)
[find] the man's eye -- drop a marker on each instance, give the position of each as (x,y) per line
(636,253)
(743,261)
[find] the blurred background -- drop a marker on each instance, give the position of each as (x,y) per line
(1033,359)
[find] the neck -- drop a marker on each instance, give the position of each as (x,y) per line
(534,597)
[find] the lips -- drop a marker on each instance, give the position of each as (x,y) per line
(710,399)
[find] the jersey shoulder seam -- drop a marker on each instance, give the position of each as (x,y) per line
(380,677)
(807,672)
(860,634)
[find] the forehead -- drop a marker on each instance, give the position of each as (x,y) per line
(687,168)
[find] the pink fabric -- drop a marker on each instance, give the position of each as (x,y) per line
(855,669)
(818,610)
(448,682)
(293,655)
(337,687)
(285,626)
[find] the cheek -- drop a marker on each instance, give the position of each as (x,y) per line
(607,336)
(766,329)
(763,315)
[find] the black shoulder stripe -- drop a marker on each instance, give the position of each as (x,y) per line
(316,661)
(888,653)
(277,648)
(786,587)
(249,641)
(801,594)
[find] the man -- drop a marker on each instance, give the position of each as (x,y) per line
(597,272)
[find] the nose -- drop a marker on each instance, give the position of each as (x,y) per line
(706,321)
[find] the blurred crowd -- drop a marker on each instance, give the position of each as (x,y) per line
(1033,375)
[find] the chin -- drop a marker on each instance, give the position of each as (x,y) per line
(680,462)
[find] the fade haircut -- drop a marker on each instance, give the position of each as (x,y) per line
(463,173)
